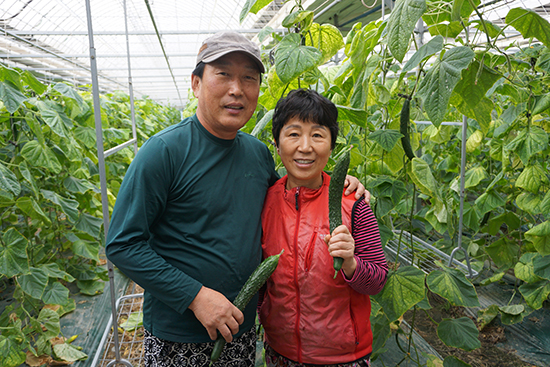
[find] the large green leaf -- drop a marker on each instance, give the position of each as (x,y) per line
(90,287)
(11,352)
(488,201)
(540,237)
(532,178)
(326,38)
(429,49)
(452,285)
(31,208)
(474,176)
(49,321)
(542,267)
(53,271)
(67,352)
(89,224)
(401,23)
(55,293)
(8,181)
(404,288)
(528,143)
(52,113)
(529,24)
(459,333)
(80,186)
(69,92)
(13,254)
(436,87)
(252,6)
(504,252)
(387,138)
(11,96)
(525,268)
(528,202)
(535,293)
(353,115)
(32,82)
(87,249)
(292,59)
(422,176)
(68,206)
(542,104)
(34,284)
(38,155)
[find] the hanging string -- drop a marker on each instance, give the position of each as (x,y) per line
(19,12)
(369,6)
(163,51)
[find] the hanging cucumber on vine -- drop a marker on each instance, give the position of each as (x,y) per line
(404,127)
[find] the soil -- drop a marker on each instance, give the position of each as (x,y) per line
(488,355)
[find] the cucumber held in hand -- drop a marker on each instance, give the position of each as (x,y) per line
(249,289)
(335,189)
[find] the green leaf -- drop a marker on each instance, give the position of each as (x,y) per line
(38,155)
(27,175)
(11,96)
(55,294)
(486,315)
(488,201)
(49,320)
(543,63)
(86,135)
(387,138)
(74,184)
(252,6)
(12,76)
(67,352)
(354,115)
(34,83)
(528,143)
(529,24)
(13,254)
(69,92)
(429,49)
(512,309)
(87,249)
(31,208)
(540,237)
(532,178)
(436,87)
(459,333)
(494,278)
(404,288)
(302,17)
(525,268)
(528,202)
(11,352)
(474,176)
(535,293)
(53,271)
(541,267)
(326,38)
(34,284)
(53,115)
(89,224)
(292,59)
(542,104)
(401,23)
(9,181)
(452,361)
(422,176)
(447,30)
(90,287)
(452,285)
(490,28)
(503,252)
(134,321)
(260,125)
(68,206)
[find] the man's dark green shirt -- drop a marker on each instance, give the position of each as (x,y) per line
(188,215)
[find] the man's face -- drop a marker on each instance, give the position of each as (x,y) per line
(227,94)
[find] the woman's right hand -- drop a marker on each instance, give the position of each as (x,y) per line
(341,244)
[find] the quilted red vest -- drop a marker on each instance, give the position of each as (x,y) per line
(308,316)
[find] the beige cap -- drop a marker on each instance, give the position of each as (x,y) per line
(222,43)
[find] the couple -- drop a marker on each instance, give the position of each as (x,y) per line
(187,227)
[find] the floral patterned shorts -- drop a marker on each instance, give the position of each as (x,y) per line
(274,359)
(241,352)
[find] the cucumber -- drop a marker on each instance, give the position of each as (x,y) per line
(249,289)
(404,128)
(335,189)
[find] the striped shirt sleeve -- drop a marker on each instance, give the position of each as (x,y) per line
(372,268)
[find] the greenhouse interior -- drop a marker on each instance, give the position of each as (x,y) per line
(443,107)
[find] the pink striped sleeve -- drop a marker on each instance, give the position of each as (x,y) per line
(372,268)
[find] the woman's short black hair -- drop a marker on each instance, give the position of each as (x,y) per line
(308,106)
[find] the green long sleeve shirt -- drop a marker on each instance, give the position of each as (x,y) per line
(188,215)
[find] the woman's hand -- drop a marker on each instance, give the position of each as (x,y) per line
(352,184)
(341,244)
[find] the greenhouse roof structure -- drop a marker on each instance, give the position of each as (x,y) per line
(162,37)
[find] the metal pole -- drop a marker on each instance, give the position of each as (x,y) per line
(102,175)
(130,86)
(462,184)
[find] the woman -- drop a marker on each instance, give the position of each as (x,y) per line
(310,318)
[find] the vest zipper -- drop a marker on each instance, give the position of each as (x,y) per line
(296,282)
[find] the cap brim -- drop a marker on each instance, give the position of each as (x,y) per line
(219,54)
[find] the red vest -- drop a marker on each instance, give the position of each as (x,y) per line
(308,316)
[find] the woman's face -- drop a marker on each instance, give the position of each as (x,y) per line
(304,148)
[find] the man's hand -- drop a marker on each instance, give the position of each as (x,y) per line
(353,184)
(215,312)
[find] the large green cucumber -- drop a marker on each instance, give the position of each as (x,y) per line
(335,190)
(404,123)
(249,289)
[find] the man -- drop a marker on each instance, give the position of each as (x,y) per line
(186,225)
